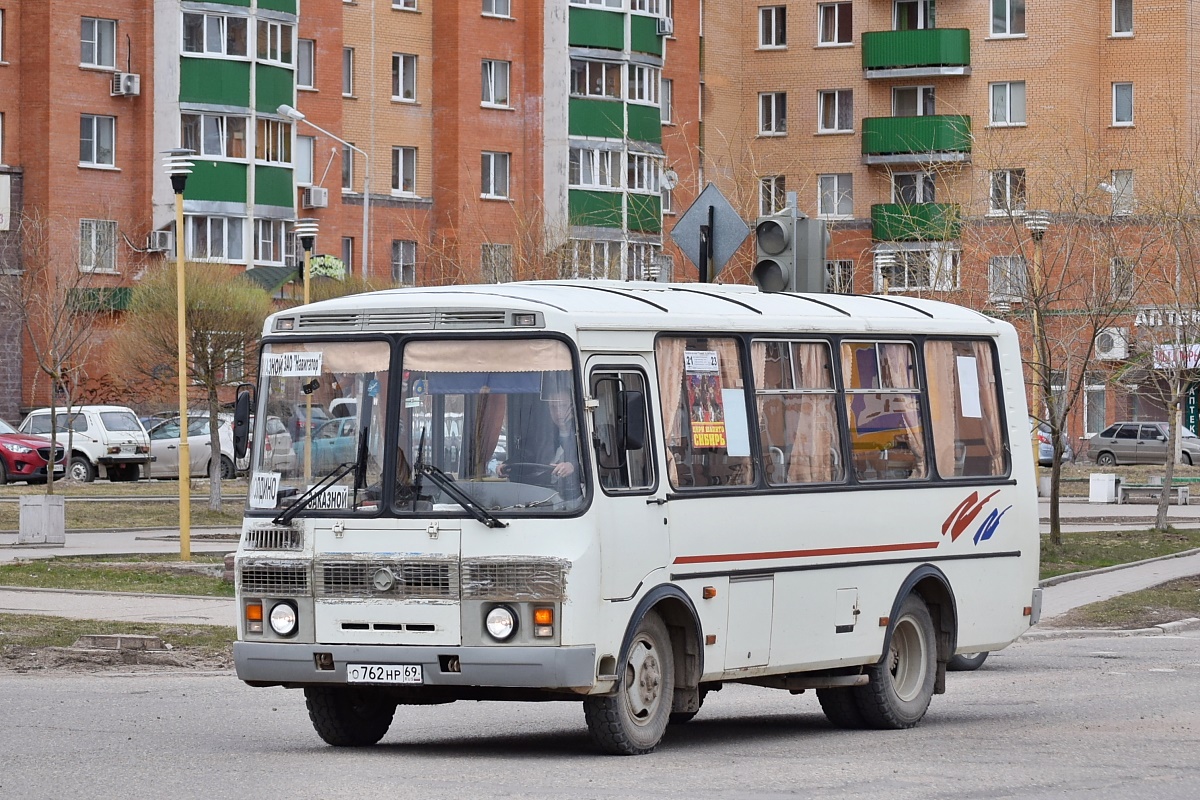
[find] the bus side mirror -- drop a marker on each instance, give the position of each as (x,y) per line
(241,421)
(632,433)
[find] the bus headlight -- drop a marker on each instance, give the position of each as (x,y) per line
(501,622)
(283,619)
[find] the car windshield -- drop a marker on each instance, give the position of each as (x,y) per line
(6,428)
(496,419)
(120,421)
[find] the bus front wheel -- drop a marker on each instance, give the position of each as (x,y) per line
(348,717)
(901,685)
(632,721)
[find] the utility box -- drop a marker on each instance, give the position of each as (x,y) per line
(43,519)
(1102,488)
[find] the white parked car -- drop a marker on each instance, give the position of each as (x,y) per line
(108,439)
(278,455)
(164,446)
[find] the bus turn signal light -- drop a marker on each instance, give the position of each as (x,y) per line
(543,622)
(254,618)
(709,592)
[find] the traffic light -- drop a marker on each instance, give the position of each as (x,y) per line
(791,253)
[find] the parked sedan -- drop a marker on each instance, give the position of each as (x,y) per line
(1140,443)
(25,458)
(277,455)
(165,441)
(1046,446)
(332,444)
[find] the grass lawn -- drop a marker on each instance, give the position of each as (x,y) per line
(153,575)
(1084,551)
(32,631)
(1167,602)
(124,515)
(105,488)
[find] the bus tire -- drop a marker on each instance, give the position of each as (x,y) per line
(967,663)
(901,685)
(841,708)
(348,717)
(632,721)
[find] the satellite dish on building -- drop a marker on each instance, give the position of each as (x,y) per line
(670,179)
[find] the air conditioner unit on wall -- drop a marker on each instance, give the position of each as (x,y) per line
(126,84)
(1112,344)
(666,26)
(315,197)
(160,241)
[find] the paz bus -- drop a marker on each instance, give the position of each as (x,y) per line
(628,495)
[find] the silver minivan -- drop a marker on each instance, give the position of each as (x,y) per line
(1140,443)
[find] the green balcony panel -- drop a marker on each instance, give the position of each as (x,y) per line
(273,186)
(245,3)
(596,118)
(286,6)
(645,123)
(598,209)
(643,35)
(645,213)
(593,28)
(936,138)
(98,299)
(220,181)
(273,86)
(919,222)
(214,80)
(941,50)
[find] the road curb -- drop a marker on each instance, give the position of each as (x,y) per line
(1167,628)
(1070,576)
(229,600)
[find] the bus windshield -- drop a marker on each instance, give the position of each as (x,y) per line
(497,418)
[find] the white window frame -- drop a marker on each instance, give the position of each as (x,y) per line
(497,8)
(651,7)
(829,18)
(772,194)
(347,170)
(1011,188)
(348,254)
(1122,196)
(772,27)
(1116,18)
(273,139)
(1003,92)
(593,168)
(219,48)
(1122,270)
(638,258)
(221,124)
(925,12)
(923,184)
(1003,27)
(495,169)
(1093,384)
(279,34)
(302,159)
(839,275)
(103,32)
(614,4)
(668,201)
(643,173)
(937,263)
(404,78)
(270,241)
(404,171)
(1120,86)
(97,121)
(496,79)
(595,259)
(404,262)
(926,100)
(644,84)
(404,5)
(838,189)
(840,98)
(772,114)
(665,105)
(593,69)
(306,64)
(495,259)
(347,72)
(232,231)
(96,254)
(1008,279)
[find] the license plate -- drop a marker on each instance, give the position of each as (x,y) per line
(127,449)
(383,673)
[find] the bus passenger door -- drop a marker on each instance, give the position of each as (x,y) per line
(629,507)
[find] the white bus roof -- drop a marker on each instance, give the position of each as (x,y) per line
(625,305)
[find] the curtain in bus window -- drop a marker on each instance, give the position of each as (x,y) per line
(797,412)
(964,407)
(883,405)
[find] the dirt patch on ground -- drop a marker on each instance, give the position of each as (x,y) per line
(21,659)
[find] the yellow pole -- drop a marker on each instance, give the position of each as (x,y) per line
(1035,399)
(185,464)
(308,431)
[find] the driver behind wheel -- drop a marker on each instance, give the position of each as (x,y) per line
(560,453)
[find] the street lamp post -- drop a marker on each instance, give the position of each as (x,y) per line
(178,167)
(1037,222)
(306,232)
(292,114)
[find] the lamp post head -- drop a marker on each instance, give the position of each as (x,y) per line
(1037,222)
(178,167)
(284,110)
(306,232)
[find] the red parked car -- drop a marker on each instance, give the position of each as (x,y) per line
(24,458)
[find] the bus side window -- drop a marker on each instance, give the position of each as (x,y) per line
(631,469)
(964,406)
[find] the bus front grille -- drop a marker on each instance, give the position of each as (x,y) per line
(405,578)
(274,578)
(270,537)
(505,578)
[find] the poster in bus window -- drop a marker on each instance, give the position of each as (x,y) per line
(707,413)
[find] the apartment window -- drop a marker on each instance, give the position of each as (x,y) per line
(595,79)
(1,36)
(1122,103)
(928,266)
(496,263)
(275,42)
(772,113)
(214,238)
(1121,276)
(1008,279)
(1122,191)
(405,5)
(836,111)
(1008,191)
(913,101)
(347,71)
(836,195)
(1122,17)
(839,275)
(97,245)
(590,168)
(303,162)
(404,77)
(1094,401)
(665,102)
(96,140)
(644,83)
(1008,103)
(347,169)
(913,15)
(98,43)
(494,175)
(596,259)
(646,6)
(497,8)
(1,131)
(404,262)
(772,194)
(495,80)
(605,3)
(348,253)
(306,54)
(909,188)
(835,23)
(1008,17)
(772,26)
(641,173)
(668,201)
(269,241)
(273,144)
(404,170)
(215,34)
(213,135)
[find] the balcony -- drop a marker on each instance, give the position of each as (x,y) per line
(935,139)
(919,222)
(913,54)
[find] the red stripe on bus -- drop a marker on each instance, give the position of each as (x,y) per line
(829,551)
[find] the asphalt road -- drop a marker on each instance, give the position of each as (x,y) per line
(1098,718)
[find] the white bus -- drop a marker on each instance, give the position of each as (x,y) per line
(630,494)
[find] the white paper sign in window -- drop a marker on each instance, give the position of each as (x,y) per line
(264,489)
(291,365)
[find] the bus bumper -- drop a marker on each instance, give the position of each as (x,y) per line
(278,663)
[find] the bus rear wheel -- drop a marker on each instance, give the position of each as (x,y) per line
(346,717)
(900,687)
(633,721)
(841,708)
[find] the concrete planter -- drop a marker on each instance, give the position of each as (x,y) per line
(43,519)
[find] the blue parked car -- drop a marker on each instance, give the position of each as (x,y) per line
(332,444)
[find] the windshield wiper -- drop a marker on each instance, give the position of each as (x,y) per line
(302,502)
(446,484)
